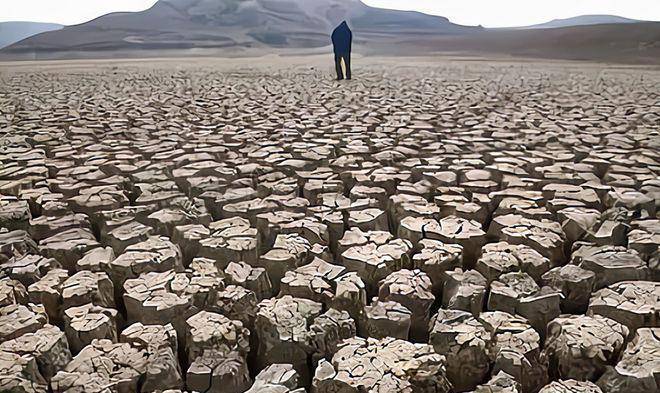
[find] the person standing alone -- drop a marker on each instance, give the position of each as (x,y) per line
(342,39)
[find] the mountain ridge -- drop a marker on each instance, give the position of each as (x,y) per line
(15,31)
(255,27)
(581,20)
(252,23)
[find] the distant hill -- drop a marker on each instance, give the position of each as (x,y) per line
(181,24)
(635,43)
(11,32)
(582,20)
(256,27)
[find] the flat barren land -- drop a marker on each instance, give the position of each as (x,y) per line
(233,225)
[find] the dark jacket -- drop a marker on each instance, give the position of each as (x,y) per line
(342,38)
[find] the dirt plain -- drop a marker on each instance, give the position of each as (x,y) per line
(232,225)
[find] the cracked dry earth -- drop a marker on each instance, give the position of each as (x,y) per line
(448,227)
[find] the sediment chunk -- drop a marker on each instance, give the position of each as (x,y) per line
(87,323)
(411,289)
(570,386)
(435,258)
(386,319)
(464,290)
(211,331)
(283,330)
(580,347)
(157,254)
(385,365)
(611,264)
(18,319)
(516,349)
(68,247)
(575,285)
(48,346)
(123,368)
(639,366)
(634,304)
(277,378)
(465,342)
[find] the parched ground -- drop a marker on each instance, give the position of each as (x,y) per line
(435,225)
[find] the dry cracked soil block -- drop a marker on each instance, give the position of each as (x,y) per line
(16,244)
(500,383)
(516,349)
(18,319)
(314,281)
(328,330)
(373,263)
(500,258)
(47,345)
(46,226)
(69,246)
(411,289)
(96,260)
(219,371)
(570,386)
(169,297)
(634,304)
(231,240)
(385,319)
(160,343)
(88,287)
(122,371)
(639,366)
(88,322)
(350,294)
(215,332)
(465,342)
(379,366)
(518,293)
(19,373)
(28,269)
(277,378)
(368,220)
(14,213)
(451,230)
(544,236)
(253,278)
(157,254)
(283,331)
(574,283)
(48,291)
(289,252)
(12,292)
(611,264)
(464,290)
(435,258)
(580,347)
(237,303)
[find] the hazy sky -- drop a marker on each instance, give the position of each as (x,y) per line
(489,13)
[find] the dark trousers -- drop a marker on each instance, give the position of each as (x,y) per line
(347,62)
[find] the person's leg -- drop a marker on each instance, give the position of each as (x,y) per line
(340,76)
(347,63)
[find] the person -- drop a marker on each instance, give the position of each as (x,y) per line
(342,39)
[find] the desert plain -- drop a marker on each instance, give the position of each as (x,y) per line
(231,225)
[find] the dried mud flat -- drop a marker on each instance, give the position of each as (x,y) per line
(233,226)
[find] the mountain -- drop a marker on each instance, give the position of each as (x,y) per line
(582,20)
(182,24)
(257,27)
(11,32)
(635,43)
